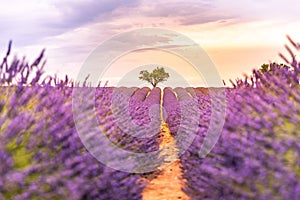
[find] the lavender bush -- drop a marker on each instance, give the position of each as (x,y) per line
(41,154)
(257,156)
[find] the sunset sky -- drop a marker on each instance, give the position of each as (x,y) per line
(237,36)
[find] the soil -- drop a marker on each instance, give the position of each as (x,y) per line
(166,182)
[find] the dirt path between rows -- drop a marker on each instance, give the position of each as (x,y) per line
(166,182)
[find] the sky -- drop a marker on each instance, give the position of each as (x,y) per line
(236,36)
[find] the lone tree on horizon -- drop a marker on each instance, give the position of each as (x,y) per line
(156,76)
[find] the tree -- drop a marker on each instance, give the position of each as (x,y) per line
(156,76)
(270,67)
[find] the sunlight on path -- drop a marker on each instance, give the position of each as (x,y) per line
(166,183)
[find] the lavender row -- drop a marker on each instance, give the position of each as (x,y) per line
(257,155)
(124,118)
(41,153)
(172,110)
(182,116)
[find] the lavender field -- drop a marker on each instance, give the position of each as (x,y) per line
(43,157)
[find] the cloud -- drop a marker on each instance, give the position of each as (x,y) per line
(33,20)
(259,10)
(70,30)
(184,12)
(76,13)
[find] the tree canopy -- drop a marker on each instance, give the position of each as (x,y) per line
(270,67)
(158,75)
